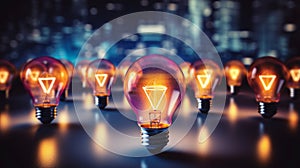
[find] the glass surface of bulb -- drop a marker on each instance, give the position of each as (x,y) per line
(7,74)
(45,78)
(154,87)
(70,68)
(80,70)
(206,75)
(235,72)
(100,76)
(185,68)
(293,82)
(266,76)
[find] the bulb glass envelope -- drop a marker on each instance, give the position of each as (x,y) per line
(7,74)
(235,71)
(293,66)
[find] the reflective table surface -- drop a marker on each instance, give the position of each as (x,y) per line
(242,138)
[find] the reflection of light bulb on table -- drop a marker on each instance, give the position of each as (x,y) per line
(293,83)
(100,76)
(206,75)
(154,96)
(45,78)
(266,76)
(234,72)
(7,74)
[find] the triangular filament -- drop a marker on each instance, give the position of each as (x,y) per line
(205,79)
(3,76)
(155,94)
(47,84)
(101,79)
(234,73)
(295,73)
(267,81)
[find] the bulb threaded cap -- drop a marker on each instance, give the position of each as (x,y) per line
(101,101)
(204,105)
(267,110)
(294,93)
(154,139)
(46,114)
(233,90)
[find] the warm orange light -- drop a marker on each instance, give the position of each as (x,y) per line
(101,79)
(267,81)
(232,110)
(155,95)
(47,153)
(234,73)
(205,78)
(293,117)
(47,84)
(295,73)
(3,76)
(264,149)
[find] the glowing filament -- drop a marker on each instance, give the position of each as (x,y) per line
(44,82)
(267,81)
(234,73)
(155,94)
(204,79)
(101,79)
(3,76)
(295,73)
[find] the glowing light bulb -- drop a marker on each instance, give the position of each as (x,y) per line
(235,71)
(70,68)
(293,83)
(7,74)
(100,76)
(206,75)
(154,87)
(45,78)
(80,70)
(266,76)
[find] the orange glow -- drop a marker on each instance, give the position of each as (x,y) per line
(234,73)
(295,73)
(160,125)
(44,83)
(293,117)
(155,94)
(267,81)
(63,120)
(4,121)
(205,79)
(47,153)
(204,146)
(3,76)
(33,74)
(101,79)
(264,149)
(232,111)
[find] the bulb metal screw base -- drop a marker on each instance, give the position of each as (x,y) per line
(233,90)
(101,101)
(267,110)
(154,139)
(204,105)
(293,93)
(46,114)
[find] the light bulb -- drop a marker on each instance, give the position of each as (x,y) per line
(7,74)
(206,75)
(185,68)
(154,87)
(293,83)
(80,70)
(70,68)
(266,76)
(45,78)
(235,71)
(100,76)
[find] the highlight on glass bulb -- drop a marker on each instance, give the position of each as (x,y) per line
(266,76)
(70,68)
(185,68)
(45,78)
(206,75)
(154,87)
(100,76)
(293,82)
(7,74)
(235,72)
(80,70)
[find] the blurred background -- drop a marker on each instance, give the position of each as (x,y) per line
(242,30)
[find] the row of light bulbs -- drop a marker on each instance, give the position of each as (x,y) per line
(153,85)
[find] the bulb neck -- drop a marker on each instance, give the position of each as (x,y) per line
(267,110)
(154,139)
(46,114)
(233,90)
(101,101)
(293,93)
(204,105)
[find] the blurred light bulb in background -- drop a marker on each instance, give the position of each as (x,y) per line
(7,74)
(45,78)
(70,68)
(205,76)
(293,83)
(266,76)
(80,70)
(154,87)
(185,68)
(100,76)
(235,72)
